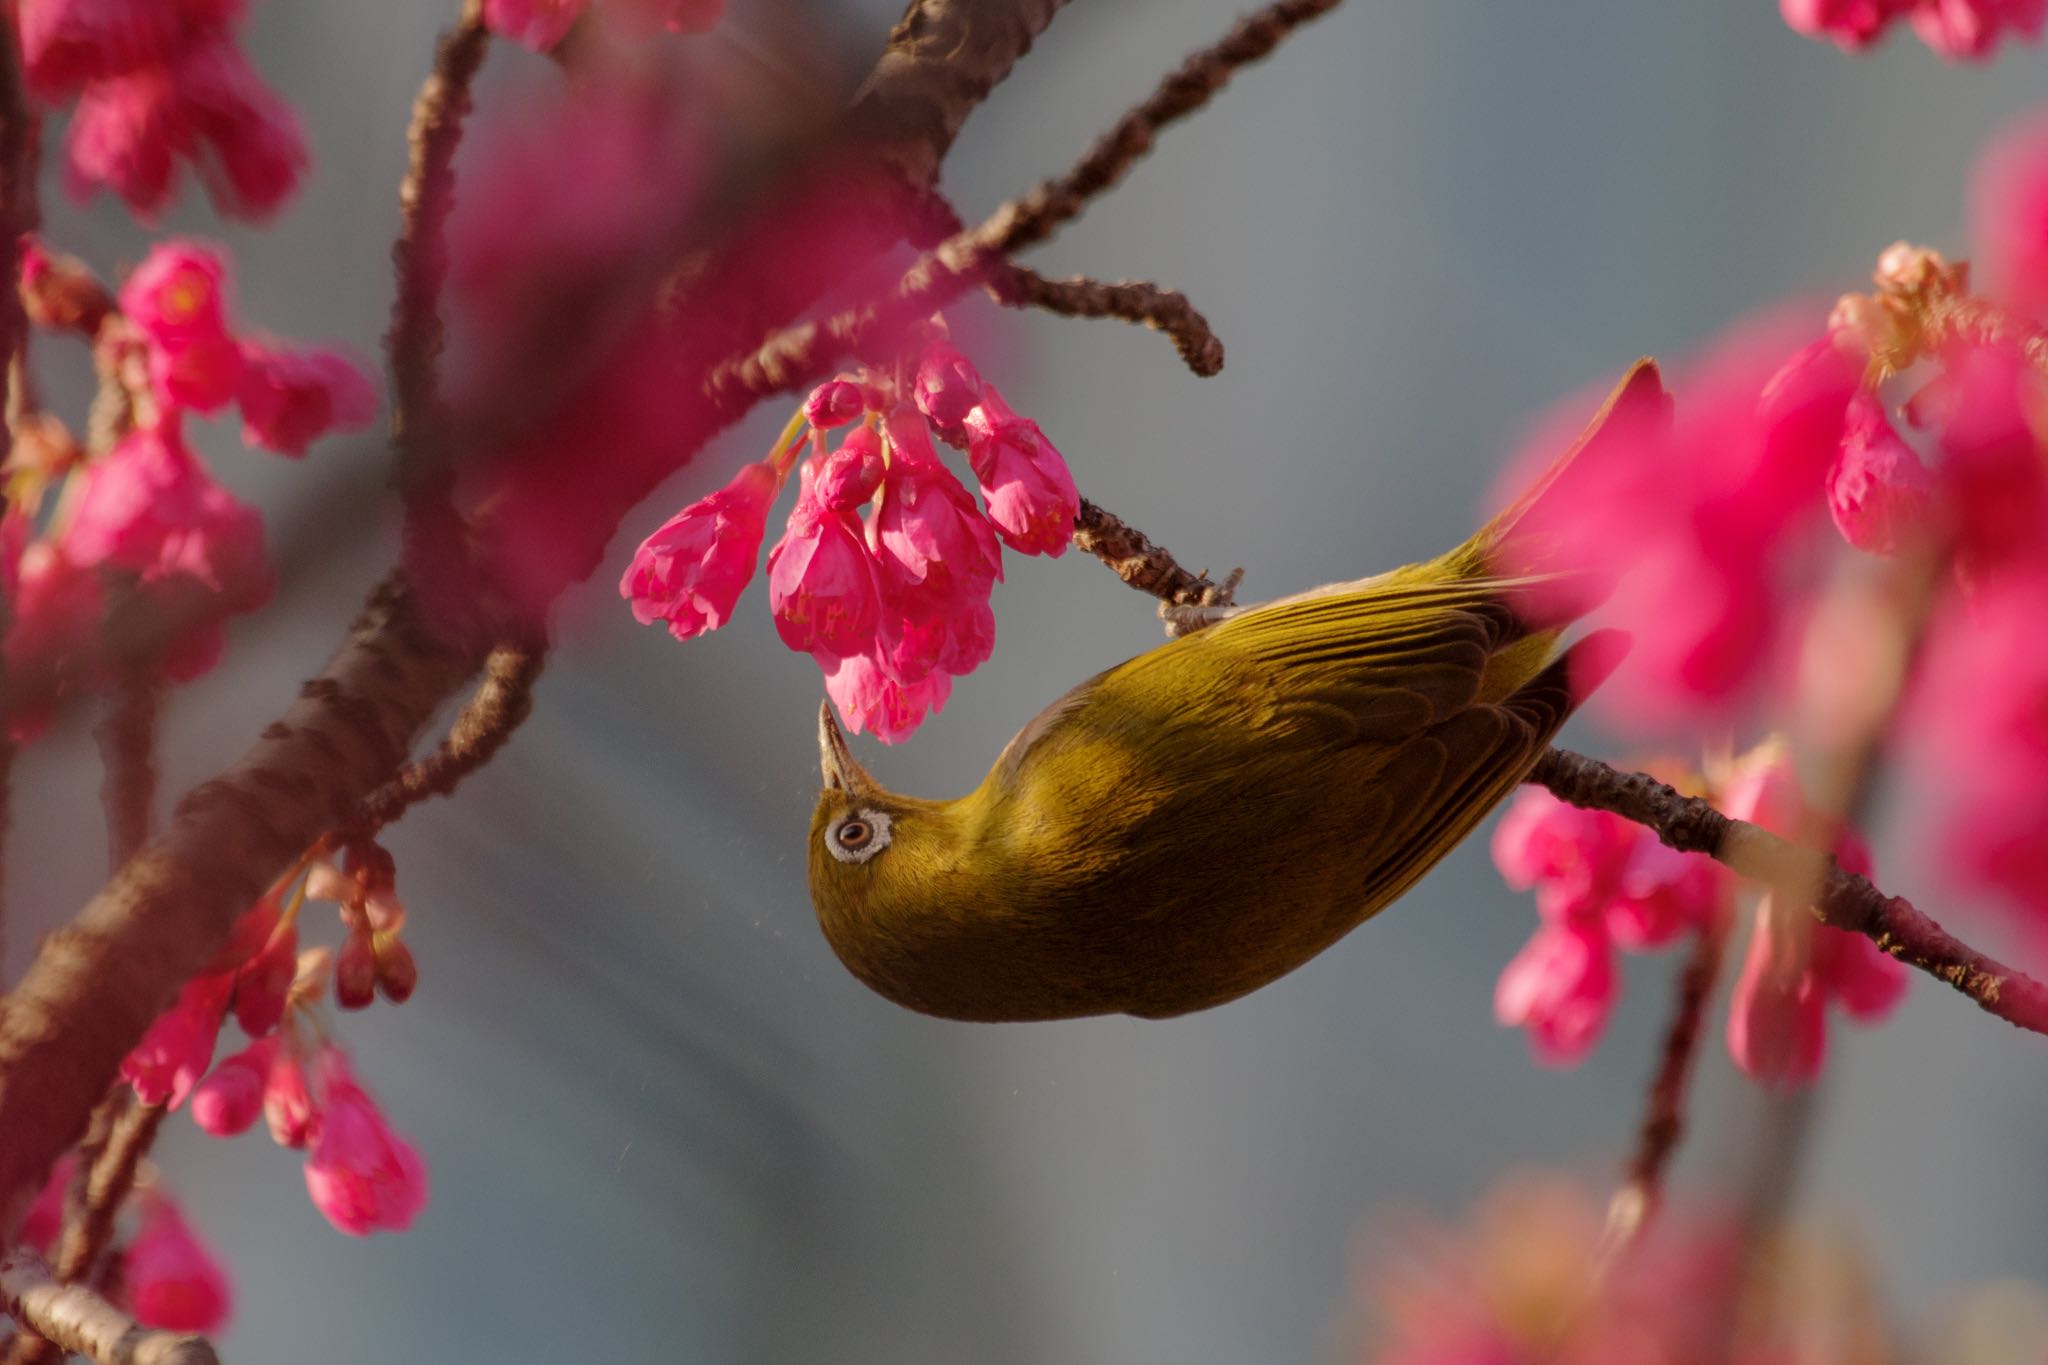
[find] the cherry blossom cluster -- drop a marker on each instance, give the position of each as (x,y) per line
(1957,29)
(886,565)
(1604,884)
(169,1277)
(540,24)
(140,531)
(360,1173)
(1904,434)
(1528,1278)
(160,84)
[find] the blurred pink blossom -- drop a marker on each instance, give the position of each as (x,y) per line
(173,1281)
(291,398)
(946,386)
(691,572)
(289,1109)
(1954,28)
(178,1047)
(2009,215)
(263,982)
(1559,988)
(540,24)
(45,1216)
(1881,496)
(362,1175)
(229,1100)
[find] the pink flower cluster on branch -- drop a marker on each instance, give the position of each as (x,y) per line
(893,603)
(160,84)
(1957,29)
(1604,883)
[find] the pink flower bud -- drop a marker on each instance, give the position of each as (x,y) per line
(288,1107)
(833,404)
(173,1281)
(355,970)
(264,981)
(361,1174)
(1560,988)
(175,1052)
(292,398)
(870,700)
(848,476)
(1030,494)
(690,573)
(1881,496)
(397,974)
(947,386)
(45,1217)
(227,1102)
(534,24)
(822,587)
(1777,1031)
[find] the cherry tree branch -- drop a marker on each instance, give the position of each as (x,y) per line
(1845,900)
(82,1322)
(97,984)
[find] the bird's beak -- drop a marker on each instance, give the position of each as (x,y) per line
(841,772)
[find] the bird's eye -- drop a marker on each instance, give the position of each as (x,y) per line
(858,837)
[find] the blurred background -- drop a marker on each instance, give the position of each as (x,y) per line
(663,1123)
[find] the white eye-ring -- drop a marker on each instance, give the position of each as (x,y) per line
(858,837)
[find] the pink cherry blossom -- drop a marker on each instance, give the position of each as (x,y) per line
(290,399)
(946,387)
(1777,1027)
(173,1281)
(1992,472)
(1560,988)
(1881,496)
(822,585)
(228,1101)
(360,1173)
(45,1216)
(833,404)
(691,572)
(149,507)
(2009,215)
(289,1109)
(1971,28)
(1030,493)
(205,105)
(1572,858)
(535,24)
(178,295)
(1850,24)
(870,700)
(178,1047)
(1661,893)
(263,982)
(848,476)
(66,43)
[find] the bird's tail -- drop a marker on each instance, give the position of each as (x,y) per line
(1527,537)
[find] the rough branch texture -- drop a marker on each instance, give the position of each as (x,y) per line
(82,1322)
(1846,901)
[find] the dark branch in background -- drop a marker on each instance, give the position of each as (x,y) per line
(82,1322)
(501,702)
(18,214)
(800,354)
(1635,1203)
(126,734)
(1845,901)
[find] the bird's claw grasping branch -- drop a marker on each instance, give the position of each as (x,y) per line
(1843,901)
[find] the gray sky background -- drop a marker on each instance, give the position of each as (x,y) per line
(665,1125)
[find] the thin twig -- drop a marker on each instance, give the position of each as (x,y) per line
(1635,1204)
(127,741)
(1147,567)
(500,703)
(1845,901)
(82,1322)
(420,255)
(792,357)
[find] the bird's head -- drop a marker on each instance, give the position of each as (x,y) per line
(882,868)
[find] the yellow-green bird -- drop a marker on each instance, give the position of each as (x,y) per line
(1199,820)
